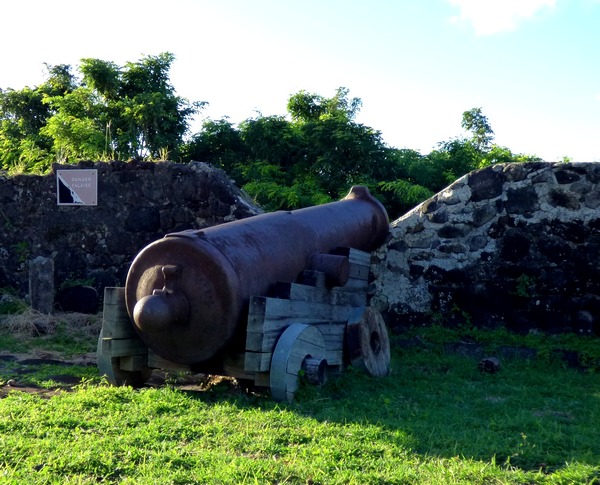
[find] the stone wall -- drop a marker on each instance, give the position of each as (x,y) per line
(512,245)
(138,202)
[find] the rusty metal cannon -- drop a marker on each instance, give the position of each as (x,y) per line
(258,299)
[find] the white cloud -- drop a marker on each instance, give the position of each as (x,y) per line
(493,16)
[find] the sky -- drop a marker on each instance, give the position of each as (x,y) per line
(532,66)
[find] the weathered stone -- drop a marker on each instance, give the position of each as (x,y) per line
(521,201)
(449,197)
(515,246)
(41,284)
(592,200)
(593,173)
(566,176)
(452,248)
(531,265)
(581,187)
(485,184)
(418,227)
(139,202)
(515,172)
(419,242)
(450,231)
(545,177)
(439,216)
(429,206)
(561,198)
(478,242)
(483,214)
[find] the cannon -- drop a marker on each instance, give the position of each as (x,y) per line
(260,299)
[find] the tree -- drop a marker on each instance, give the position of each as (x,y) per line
(125,112)
(477,123)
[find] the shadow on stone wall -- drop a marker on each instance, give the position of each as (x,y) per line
(138,202)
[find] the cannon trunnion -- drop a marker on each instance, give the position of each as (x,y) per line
(261,299)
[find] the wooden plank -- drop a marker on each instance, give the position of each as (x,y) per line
(308,293)
(117,328)
(334,357)
(155,361)
(257,361)
(333,333)
(254,341)
(354,255)
(262,379)
(115,312)
(114,295)
(359,272)
(348,297)
(278,309)
(123,347)
(115,320)
(233,365)
(257,305)
(133,363)
(358,284)
(338,295)
(314,278)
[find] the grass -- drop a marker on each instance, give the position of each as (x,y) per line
(436,419)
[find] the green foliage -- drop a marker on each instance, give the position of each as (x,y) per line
(410,194)
(125,112)
(313,155)
(477,123)
(10,302)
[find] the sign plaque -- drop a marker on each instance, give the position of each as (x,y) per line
(77,187)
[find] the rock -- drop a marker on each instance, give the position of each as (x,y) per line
(489,365)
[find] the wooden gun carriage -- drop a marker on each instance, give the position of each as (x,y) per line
(264,299)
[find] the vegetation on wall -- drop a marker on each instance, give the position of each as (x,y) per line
(312,155)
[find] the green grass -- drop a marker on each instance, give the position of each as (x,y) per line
(437,419)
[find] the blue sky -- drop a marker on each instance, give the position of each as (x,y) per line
(531,65)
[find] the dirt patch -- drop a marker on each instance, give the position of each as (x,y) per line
(23,365)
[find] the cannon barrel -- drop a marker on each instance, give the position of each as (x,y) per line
(188,292)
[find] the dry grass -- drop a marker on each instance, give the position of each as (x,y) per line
(32,323)
(60,333)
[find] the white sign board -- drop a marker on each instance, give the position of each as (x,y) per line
(77,187)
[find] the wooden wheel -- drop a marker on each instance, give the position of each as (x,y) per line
(300,347)
(367,342)
(111,367)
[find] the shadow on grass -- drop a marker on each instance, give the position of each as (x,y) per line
(531,415)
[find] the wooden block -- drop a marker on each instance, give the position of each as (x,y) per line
(354,255)
(338,295)
(334,357)
(313,278)
(257,305)
(118,329)
(348,297)
(257,361)
(254,341)
(359,272)
(234,366)
(133,362)
(155,361)
(114,295)
(123,347)
(262,379)
(358,284)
